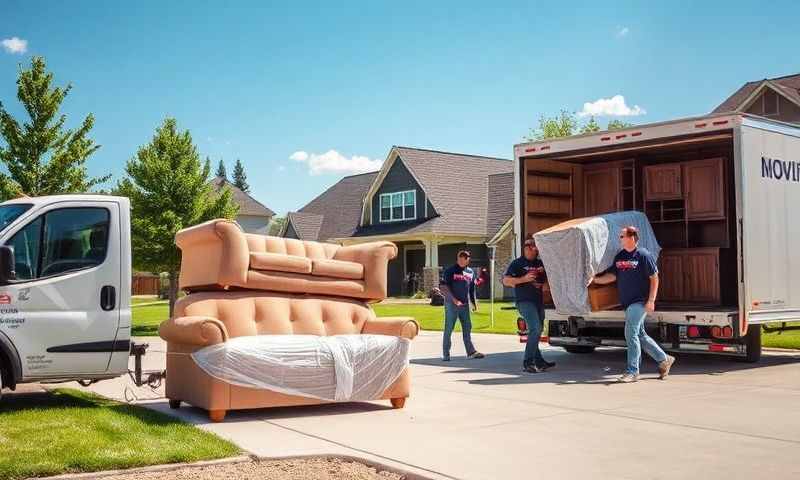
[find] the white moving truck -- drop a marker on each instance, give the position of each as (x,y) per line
(722,193)
(65,289)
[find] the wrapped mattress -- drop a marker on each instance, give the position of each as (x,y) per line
(576,250)
(331,368)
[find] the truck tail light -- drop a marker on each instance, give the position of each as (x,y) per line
(715,347)
(727,332)
(521,325)
(693,332)
(716,331)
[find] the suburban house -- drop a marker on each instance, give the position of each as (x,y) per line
(776,98)
(430,203)
(253,216)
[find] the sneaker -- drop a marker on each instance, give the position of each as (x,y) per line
(628,378)
(664,367)
(446,359)
(476,355)
(545,365)
(531,368)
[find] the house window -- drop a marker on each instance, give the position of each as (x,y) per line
(770,99)
(398,206)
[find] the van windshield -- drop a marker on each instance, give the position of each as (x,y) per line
(9,213)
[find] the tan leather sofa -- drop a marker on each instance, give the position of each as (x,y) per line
(219,255)
(208,318)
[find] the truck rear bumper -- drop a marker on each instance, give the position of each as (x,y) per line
(695,347)
(720,317)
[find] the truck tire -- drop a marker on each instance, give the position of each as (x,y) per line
(579,349)
(752,344)
(2,372)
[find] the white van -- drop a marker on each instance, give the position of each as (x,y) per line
(722,193)
(65,288)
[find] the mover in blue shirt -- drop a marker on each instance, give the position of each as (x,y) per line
(527,275)
(458,288)
(636,274)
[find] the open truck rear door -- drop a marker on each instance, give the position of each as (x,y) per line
(768,164)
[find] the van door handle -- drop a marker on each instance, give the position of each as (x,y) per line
(108,298)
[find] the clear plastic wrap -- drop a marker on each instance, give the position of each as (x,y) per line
(331,368)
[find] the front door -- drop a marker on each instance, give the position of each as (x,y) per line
(66,296)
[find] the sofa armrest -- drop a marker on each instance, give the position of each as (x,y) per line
(213,253)
(405,327)
(375,257)
(200,331)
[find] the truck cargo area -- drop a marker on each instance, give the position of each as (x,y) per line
(685,187)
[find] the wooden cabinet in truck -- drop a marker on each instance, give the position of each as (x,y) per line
(719,192)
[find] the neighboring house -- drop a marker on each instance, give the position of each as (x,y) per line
(253,216)
(776,98)
(430,203)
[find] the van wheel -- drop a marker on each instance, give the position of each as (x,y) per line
(579,349)
(752,344)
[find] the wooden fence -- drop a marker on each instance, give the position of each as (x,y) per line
(145,285)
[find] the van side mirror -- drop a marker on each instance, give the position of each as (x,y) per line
(7,268)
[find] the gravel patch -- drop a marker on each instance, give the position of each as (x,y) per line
(293,469)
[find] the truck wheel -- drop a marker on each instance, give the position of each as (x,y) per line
(579,349)
(2,372)
(752,344)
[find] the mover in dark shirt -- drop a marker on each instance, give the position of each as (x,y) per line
(527,275)
(458,288)
(636,274)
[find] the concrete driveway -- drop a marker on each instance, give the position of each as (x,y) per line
(485,419)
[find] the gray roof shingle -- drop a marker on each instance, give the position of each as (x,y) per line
(789,85)
(337,210)
(457,186)
(501,202)
(306,225)
(247,204)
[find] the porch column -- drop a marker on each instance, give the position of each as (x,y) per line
(430,274)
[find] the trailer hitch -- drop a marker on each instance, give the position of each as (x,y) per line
(154,377)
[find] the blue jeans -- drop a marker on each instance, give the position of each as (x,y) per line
(636,338)
(534,316)
(451,314)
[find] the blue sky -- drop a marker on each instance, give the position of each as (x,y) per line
(262,82)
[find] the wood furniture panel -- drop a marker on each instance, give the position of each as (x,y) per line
(551,193)
(701,266)
(670,268)
(601,191)
(705,196)
(663,182)
(689,275)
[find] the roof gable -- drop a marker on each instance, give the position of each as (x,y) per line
(247,204)
(740,100)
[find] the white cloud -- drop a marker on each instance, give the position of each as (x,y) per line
(300,156)
(613,107)
(15,45)
(623,32)
(281,168)
(334,162)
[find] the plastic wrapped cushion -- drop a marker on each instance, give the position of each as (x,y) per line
(575,251)
(332,368)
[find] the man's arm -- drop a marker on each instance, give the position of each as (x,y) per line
(650,306)
(448,294)
(510,281)
(603,279)
(472,293)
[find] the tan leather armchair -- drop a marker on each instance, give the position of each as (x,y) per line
(208,318)
(219,255)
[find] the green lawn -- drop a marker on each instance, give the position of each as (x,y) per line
(68,431)
(432,318)
(147,299)
(790,339)
(147,318)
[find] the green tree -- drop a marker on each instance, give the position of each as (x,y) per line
(276,225)
(591,126)
(618,125)
(42,157)
(566,124)
(239,177)
(169,190)
(221,171)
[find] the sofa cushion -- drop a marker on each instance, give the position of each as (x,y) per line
(337,269)
(279,263)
